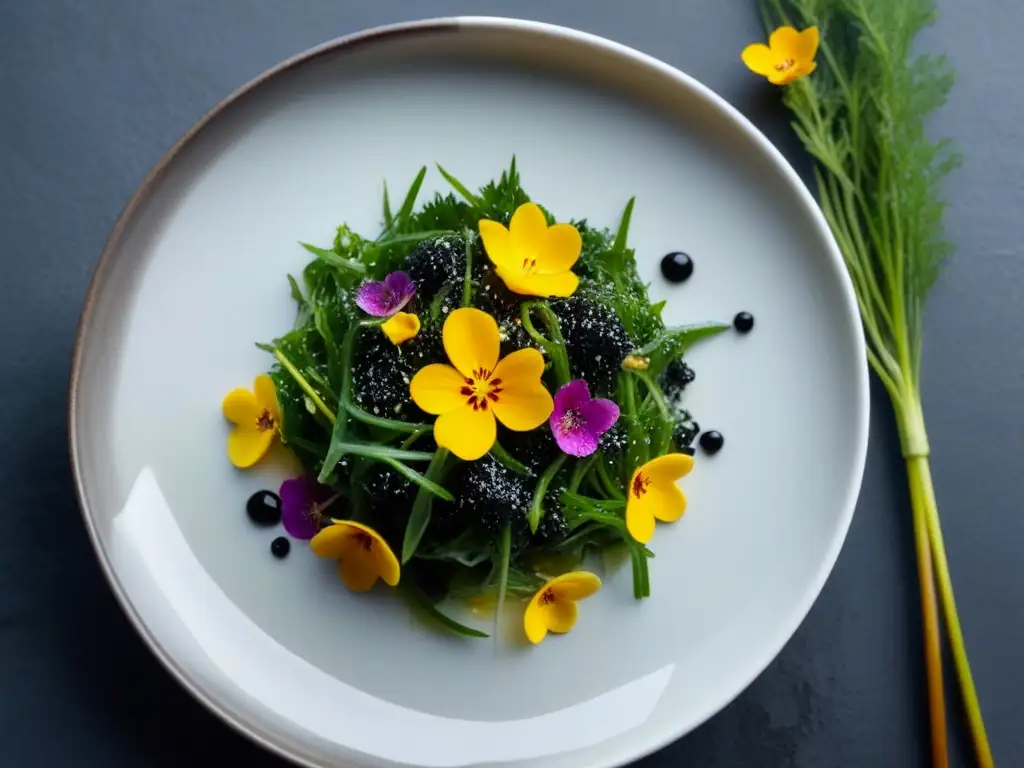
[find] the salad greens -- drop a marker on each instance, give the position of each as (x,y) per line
(499,525)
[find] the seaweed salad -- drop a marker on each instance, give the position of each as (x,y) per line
(480,397)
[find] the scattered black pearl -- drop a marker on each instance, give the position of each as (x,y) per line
(677,267)
(280,547)
(712,442)
(743,322)
(264,508)
(688,450)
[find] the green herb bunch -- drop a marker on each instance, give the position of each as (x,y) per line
(862,116)
(495,526)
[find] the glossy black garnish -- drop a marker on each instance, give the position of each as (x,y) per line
(711,442)
(264,508)
(677,267)
(280,547)
(743,322)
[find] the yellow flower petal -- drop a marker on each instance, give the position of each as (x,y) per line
(401,327)
(759,59)
(523,403)
(497,243)
(364,554)
(358,570)
(241,407)
(334,541)
(471,340)
(560,284)
(466,432)
(266,395)
(561,616)
(247,445)
(785,43)
(577,585)
(639,521)
(560,249)
(667,468)
(528,231)
(436,388)
(806,46)
(388,567)
(666,502)
(535,620)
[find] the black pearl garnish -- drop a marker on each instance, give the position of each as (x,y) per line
(264,508)
(677,267)
(280,547)
(711,442)
(743,322)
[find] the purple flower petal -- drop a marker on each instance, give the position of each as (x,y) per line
(573,395)
(402,288)
(375,299)
(599,415)
(577,422)
(576,442)
(299,497)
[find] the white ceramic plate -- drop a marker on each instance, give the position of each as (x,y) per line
(193,274)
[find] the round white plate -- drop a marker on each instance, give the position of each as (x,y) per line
(194,273)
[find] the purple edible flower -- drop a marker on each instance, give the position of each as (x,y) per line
(384,298)
(303,501)
(577,421)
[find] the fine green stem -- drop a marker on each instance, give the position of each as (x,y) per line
(930,618)
(580,470)
(505,556)
(553,344)
(508,461)
(537,505)
(606,481)
(305,385)
(422,505)
(919,471)
(467,281)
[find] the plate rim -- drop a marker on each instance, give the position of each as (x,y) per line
(455,24)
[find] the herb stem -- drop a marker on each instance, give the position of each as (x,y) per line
(929,614)
(467,280)
(504,556)
(924,504)
(508,461)
(553,344)
(412,438)
(537,505)
(419,517)
(305,385)
(580,470)
(606,481)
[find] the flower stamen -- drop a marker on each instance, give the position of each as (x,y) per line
(266,421)
(640,484)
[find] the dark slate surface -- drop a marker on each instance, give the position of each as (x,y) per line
(93,92)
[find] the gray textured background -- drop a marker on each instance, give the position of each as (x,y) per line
(92,93)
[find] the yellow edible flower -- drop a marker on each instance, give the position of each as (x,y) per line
(476,388)
(401,327)
(653,494)
(362,554)
(788,56)
(553,608)
(532,258)
(256,417)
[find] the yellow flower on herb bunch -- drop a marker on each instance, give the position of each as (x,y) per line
(401,327)
(468,395)
(553,608)
(256,417)
(788,56)
(654,495)
(532,258)
(362,554)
